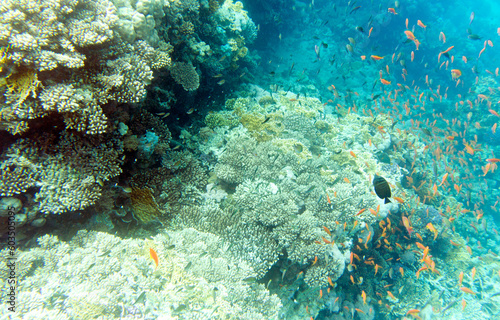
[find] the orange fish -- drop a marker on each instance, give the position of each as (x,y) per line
(371,29)
(330,282)
(327,231)
(493,112)
(413,311)
(442,37)
(493,160)
(410,35)
(432,229)
(328,199)
(460,278)
(360,212)
(467,290)
(398,199)
(385,82)
(154,256)
(406,223)
(315,260)
(447,50)
(420,24)
(376,58)
(352,154)
(363,295)
(391,295)
(455,74)
(392,10)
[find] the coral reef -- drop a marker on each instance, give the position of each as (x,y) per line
(67,174)
(101,275)
(185,74)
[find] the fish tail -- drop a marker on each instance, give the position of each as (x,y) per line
(387,200)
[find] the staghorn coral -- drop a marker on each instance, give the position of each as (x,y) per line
(185,74)
(101,275)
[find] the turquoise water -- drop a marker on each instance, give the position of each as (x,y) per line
(192,159)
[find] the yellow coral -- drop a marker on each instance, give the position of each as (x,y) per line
(260,128)
(22,84)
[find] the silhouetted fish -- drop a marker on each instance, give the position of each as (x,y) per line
(382,188)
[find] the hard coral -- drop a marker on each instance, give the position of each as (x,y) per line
(185,74)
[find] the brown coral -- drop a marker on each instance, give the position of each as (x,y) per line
(185,74)
(144,205)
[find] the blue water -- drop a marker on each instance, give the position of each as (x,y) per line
(215,160)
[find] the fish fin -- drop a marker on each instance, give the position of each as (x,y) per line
(387,200)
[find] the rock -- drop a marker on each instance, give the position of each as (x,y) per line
(21,219)
(9,204)
(37,223)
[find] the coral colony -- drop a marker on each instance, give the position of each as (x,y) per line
(209,159)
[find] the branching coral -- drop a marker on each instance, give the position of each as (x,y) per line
(101,275)
(69,174)
(45,34)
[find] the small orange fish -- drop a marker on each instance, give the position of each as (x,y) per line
(420,24)
(493,112)
(376,58)
(327,231)
(359,310)
(463,304)
(330,282)
(398,199)
(460,278)
(315,260)
(410,35)
(493,160)
(154,256)
(442,37)
(360,212)
(352,154)
(455,74)
(447,50)
(467,290)
(328,199)
(392,10)
(363,295)
(391,295)
(385,81)
(413,311)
